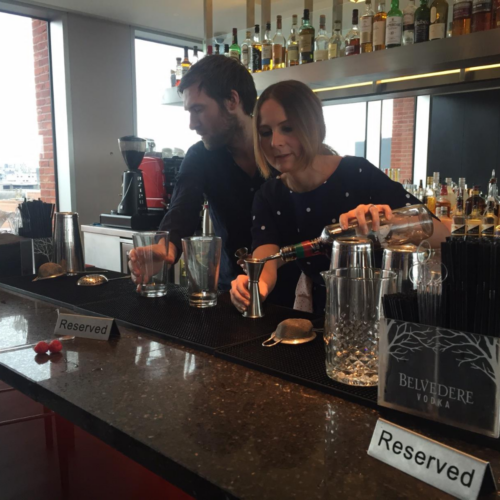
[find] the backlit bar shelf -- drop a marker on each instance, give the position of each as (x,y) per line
(462,60)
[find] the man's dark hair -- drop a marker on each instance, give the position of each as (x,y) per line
(218,76)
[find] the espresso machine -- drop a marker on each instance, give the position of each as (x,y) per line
(133,212)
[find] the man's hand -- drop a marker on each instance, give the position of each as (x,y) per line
(145,262)
(240,296)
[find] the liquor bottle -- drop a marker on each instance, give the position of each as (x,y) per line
(256,51)
(409,224)
(430,196)
(267,50)
(279,47)
(409,23)
(435,182)
(186,64)
(306,40)
(451,186)
(336,41)
(196,58)
(422,21)
(246,51)
(444,216)
(292,45)
(420,192)
(481,15)
(394,26)
(178,71)
(493,198)
(379,21)
(352,38)
(490,219)
(217,49)
(235,50)
(462,189)
(439,19)
(321,41)
(226,49)
(366,28)
(443,201)
(458,220)
(476,200)
(473,222)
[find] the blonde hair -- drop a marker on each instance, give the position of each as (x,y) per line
(305,114)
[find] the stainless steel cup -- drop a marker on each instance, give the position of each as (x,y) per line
(401,259)
(352,251)
(68,249)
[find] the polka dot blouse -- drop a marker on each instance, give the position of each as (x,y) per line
(283,217)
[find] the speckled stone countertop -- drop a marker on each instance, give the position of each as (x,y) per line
(213,428)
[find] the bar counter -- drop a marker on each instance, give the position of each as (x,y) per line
(213,428)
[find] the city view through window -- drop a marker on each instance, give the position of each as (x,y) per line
(26,151)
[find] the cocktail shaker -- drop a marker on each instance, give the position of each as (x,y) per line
(404,261)
(68,249)
(352,252)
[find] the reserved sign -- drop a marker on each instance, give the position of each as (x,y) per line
(450,470)
(90,327)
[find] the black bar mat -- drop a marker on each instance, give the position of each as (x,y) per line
(219,330)
(303,364)
(64,291)
(170,316)
(206,329)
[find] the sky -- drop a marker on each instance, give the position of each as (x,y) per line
(19,139)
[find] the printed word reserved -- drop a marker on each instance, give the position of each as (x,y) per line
(425,460)
(80,327)
(450,470)
(90,327)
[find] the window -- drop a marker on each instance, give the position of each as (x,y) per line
(26,144)
(346,128)
(380,131)
(167,125)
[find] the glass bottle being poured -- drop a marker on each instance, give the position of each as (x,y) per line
(411,224)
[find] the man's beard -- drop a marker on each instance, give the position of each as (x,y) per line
(229,127)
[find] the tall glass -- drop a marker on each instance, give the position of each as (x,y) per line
(352,316)
(151,260)
(202,258)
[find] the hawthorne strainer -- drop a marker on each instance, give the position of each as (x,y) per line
(291,331)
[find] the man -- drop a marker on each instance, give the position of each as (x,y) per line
(219,94)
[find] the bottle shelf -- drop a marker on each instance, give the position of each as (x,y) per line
(465,59)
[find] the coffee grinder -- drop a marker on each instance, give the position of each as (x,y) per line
(132,212)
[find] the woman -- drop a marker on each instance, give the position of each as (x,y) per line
(315,187)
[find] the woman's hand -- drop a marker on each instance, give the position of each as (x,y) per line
(359,213)
(240,296)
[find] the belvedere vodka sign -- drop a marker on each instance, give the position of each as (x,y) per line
(444,375)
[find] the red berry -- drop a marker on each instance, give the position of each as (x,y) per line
(55,346)
(42,347)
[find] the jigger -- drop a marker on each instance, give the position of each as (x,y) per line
(254,269)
